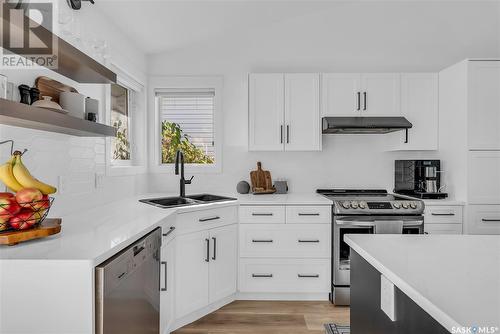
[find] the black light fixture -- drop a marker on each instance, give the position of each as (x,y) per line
(77,4)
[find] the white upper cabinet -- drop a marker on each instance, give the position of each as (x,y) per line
(484,105)
(380,94)
(302,115)
(419,104)
(266,101)
(284,112)
(341,94)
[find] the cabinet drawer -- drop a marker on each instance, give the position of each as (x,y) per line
(284,275)
(443,215)
(484,219)
(265,214)
(207,218)
(443,229)
(289,240)
(308,214)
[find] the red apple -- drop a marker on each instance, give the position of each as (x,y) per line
(4,222)
(26,196)
(24,219)
(9,207)
(7,195)
(42,204)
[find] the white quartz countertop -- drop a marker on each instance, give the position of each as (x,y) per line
(284,199)
(98,233)
(454,278)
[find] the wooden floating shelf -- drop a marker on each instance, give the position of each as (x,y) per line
(26,116)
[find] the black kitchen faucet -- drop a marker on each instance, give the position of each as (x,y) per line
(179,159)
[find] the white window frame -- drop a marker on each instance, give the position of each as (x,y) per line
(157,84)
(137,136)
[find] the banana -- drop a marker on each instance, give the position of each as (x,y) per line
(7,177)
(24,177)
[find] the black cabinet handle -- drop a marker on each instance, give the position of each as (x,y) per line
(170,230)
(262,214)
(308,276)
(442,214)
(281,134)
(207,258)
(260,240)
(308,241)
(364,100)
(164,263)
(490,220)
(288,134)
(215,248)
(359,100)
(262,275)
(208,219)
(308,214)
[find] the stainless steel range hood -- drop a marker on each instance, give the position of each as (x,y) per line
(364,125)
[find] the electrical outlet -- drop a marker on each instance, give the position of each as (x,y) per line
(99,180)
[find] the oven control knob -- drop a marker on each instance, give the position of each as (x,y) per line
(396,205)
(405,205)
(362,205)
(413,205)
(346,205)
(354,204)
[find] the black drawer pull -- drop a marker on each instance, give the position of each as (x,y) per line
(308,214)
(260,240)
(490,220)
(308,276)
(170,230)
(308,241)
(442,214)
(262,214)
(262,275)
(208,219)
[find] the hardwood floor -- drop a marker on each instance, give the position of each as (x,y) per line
(269,317)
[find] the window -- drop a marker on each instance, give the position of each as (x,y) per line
(120,119)
(187,124)
(187,118)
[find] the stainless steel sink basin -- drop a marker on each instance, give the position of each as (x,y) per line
(171,202)
(210,198)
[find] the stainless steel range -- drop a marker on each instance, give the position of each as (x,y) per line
(368,212)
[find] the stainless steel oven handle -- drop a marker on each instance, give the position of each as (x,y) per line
(370,223)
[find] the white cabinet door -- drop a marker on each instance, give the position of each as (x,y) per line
(419,104)
(380,94)
(302,115)
(484,105)
(266,112)
(483,219)
(223,262)
(484,177)
(191,272)
(340,94)
(167,286)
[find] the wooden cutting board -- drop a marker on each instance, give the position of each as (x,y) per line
(51,87)
(49,226)
(262,183)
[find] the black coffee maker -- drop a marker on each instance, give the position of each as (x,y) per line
(418,178)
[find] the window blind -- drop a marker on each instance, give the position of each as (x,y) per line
(193,110)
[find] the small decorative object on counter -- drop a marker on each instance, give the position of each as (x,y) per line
(34,94)
(91,109)
(47,103)
(74,103)
(3,86)
(92,117)
(243,187)
(24,92)
(281,187)
(262,182)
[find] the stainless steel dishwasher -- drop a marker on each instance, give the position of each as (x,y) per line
(127,289)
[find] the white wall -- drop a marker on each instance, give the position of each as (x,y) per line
(321,37)
(76,160)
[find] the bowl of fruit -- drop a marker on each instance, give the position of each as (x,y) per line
(29,203)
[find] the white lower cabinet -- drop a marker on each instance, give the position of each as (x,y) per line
(206,266)
(446,219)
(484,219)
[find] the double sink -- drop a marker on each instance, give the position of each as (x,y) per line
(176,201)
